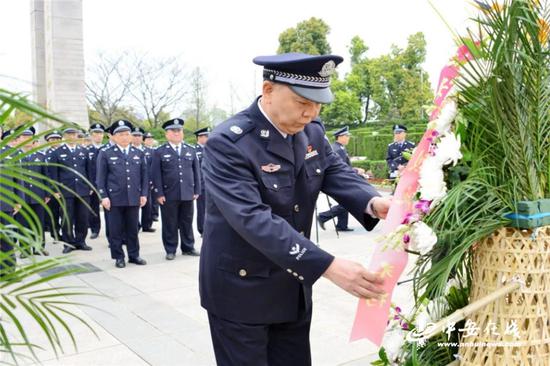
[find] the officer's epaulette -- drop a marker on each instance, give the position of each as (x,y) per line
(234,129)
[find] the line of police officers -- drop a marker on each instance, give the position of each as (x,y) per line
(130,176)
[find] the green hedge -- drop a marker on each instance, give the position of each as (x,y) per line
(378,167)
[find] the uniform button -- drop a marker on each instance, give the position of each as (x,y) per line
(128,186)
(295,274)
(289,270)
(275,186)
(179,166)
(242,272)
(301,278)
(74,164)
(181,173)
(76,180)
(318,171)
(181,181)
(127,163)
(127,170)
(30,185)
(296,208)
(128,178)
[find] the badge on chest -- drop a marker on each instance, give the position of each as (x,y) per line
(270,168)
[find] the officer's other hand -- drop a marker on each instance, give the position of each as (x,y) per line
(16,209)
(381,206)
(46,200)
(106,203)
(161,200)
(195,196)
(355,279)
(57,195)
(142,201)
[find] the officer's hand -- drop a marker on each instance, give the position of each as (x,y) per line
(57,195)
(142,201)
(381,206)
(161,200)
(195,196)
(46,200)
(106,203)
(355,279)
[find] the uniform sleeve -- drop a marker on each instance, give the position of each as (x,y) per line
(157,176)
(234,190)
(144,177)
(350,190)
(197,175)
(101,175)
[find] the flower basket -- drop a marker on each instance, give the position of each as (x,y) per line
(508,253)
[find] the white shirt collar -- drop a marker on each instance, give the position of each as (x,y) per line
(123,149)
(270,121)
(97,146)
(140,147)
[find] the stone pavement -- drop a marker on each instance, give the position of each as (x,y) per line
(150,315)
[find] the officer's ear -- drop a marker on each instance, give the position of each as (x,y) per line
(267,89)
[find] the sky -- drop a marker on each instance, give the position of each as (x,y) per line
(222,37)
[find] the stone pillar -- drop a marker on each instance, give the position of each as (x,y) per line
(58,58)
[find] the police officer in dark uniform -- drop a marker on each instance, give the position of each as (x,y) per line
(149,143)
(394,155)
(97,132)
(52,224)
(123,183)
(36,163)
(146,222)
(176,182)
(264,169)
(202,138)
(8,204)
(74,227)
(339,147)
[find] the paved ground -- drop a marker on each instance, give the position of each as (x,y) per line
(151,315)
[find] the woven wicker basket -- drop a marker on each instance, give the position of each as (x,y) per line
(505,254)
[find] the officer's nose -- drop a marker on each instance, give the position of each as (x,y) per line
(312,110)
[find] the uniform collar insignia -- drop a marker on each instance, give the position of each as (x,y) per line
(270,168)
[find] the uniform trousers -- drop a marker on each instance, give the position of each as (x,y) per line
(74,227)
(177,218)
(123,229)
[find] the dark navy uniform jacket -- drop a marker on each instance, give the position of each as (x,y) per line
(256,258)
(122,178)
(200,154)
(93,153)
(7,153)
(177,178)
(78,161)
(36,162)
(394,156)
(340,150)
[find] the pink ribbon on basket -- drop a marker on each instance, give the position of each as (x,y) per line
(371,317)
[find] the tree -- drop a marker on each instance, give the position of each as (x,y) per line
(309,36)
(107,86)
(159,86)
(198,95)
(345,109)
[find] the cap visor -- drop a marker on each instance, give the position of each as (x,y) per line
(323,96)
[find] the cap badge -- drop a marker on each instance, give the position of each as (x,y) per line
(121,123)
(236,130)
(328,69)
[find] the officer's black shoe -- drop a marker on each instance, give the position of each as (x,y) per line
(85,247)
(94,235)
(170,256)
(155,218)
(321,222)
(192,253)
(345,229)
(139,261)
(120,263)
(149,230)
(67,250)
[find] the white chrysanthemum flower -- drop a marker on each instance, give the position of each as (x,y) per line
(423,238)
(446,117)
(448,149)
(432,180)
(393,343)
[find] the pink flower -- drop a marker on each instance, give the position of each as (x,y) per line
(406,238)
(423,206)
(410,218)
(405,326)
